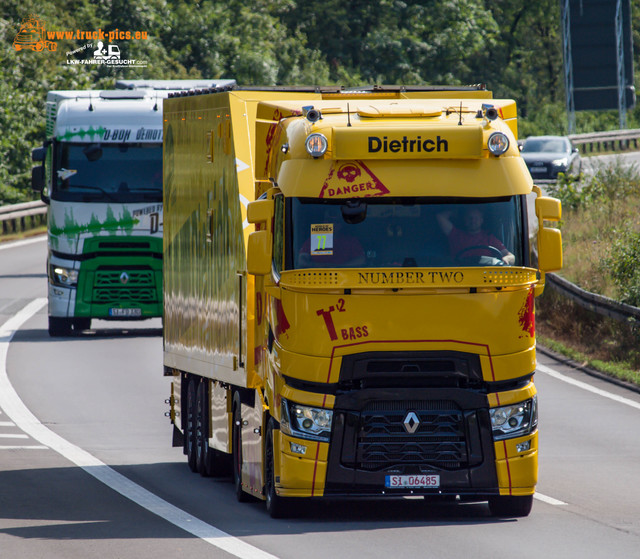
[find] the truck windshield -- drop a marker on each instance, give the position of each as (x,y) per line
(107,172)
(401,232)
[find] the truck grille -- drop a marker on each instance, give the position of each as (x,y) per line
(135,278)
(438,437)
(124,295)
(137,286)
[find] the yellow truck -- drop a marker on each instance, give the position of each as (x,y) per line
(349,286)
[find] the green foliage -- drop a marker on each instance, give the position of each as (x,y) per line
(568,190)
(512,45)
(608,183)
(623,265)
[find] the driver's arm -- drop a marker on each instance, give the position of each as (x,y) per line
(508,257)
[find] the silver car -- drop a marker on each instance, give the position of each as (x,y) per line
(546,156)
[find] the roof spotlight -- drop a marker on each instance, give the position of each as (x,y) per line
(489,111)
(313,115)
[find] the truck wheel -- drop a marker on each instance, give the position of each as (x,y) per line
(202,430)
(237,453)
(81,324)
(277,506)
(59,326)
(190,427)
(506,505)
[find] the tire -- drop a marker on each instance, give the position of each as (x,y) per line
(59,326)
(277,506)
(237,452)
(509,506)
(202,429)
(81,324)
(190,426)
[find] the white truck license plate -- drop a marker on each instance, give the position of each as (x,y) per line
(412,481)
(125,312)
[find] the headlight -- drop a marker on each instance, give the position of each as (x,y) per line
(306,422)
(316,145)
(66,277)
(559,162)
(516,420)
(498,143)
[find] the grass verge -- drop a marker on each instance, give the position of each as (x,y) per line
(41,230)
(588,339)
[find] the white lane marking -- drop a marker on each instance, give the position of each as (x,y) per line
(15,244)
(11,436)
(555,374)
(548,500)
(32,447)
(7,423)
(13,406)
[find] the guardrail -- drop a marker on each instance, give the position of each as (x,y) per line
(598,304)
(613,140)
(20,217)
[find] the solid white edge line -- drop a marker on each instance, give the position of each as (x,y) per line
(13,406)
(548,500)
(555,374)
(15,244)
(32,447)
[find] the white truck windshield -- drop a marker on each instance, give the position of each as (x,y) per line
(107,172)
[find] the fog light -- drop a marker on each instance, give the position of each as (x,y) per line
(298,448)
(523,447)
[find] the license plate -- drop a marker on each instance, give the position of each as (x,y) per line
(412,481)
(125,312)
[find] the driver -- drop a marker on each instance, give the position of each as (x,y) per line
(473,240)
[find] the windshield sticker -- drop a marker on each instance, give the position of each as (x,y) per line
(322,239)
(352,179)
(64,174)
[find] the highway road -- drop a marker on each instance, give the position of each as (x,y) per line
(87,469)
(626,160)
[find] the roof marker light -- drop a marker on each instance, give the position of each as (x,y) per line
(316,145)
(498,143)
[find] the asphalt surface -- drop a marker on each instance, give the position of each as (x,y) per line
(91,473)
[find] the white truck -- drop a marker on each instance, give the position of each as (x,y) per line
(101,174)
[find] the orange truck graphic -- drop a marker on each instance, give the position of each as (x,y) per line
(32,35)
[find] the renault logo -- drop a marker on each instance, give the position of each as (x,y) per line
(411,423)
(124,278)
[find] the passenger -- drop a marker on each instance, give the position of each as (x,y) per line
(473,241)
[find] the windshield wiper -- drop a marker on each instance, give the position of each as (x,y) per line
(76,189)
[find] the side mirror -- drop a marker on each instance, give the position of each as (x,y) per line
(549,249)
(259,248)
(548,208)
(259,255)
(260,211)
(38,154)
(549,238)
(37,178)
